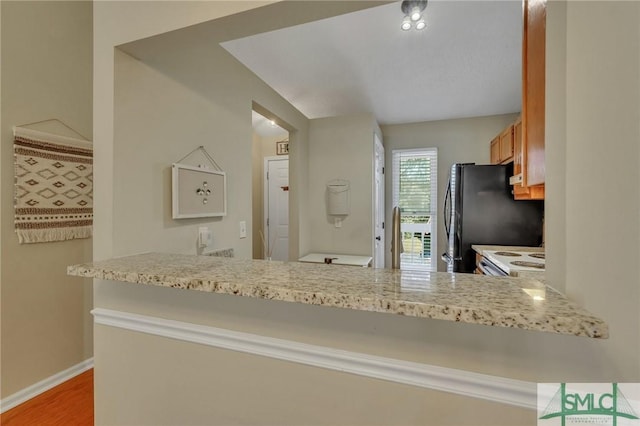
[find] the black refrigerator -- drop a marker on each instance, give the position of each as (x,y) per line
(479,209)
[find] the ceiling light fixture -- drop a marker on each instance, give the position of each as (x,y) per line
(413,10)
(406,24)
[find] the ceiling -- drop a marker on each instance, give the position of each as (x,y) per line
(265,128)
(466,63)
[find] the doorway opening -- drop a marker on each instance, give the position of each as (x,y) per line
(270,194)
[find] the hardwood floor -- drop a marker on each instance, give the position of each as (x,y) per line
(68,404)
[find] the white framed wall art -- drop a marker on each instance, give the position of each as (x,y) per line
(198,192)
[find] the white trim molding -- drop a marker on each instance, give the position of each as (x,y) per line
(466,383)
(44,385)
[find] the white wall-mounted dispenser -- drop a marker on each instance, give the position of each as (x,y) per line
(338,191)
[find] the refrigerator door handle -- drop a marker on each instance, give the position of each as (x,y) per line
(448,258)
(447,217)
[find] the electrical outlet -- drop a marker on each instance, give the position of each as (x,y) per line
(243,229)
(338,222)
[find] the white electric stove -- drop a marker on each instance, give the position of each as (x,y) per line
(506,262)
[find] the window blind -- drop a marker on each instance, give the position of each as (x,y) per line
(414,190)
(415,180)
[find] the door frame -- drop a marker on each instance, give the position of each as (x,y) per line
(265,198)
(377,141)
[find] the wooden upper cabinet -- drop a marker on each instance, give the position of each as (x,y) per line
(533,87)
(521,189)
(502,147)
(506,145)
(518,157)
(495,150)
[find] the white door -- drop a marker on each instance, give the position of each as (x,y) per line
(378,204)
(277,207)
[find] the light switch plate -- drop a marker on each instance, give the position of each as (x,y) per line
(243,229)
(204,236)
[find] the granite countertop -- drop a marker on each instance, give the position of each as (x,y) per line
(495,301)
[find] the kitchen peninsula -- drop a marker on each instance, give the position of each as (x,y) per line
(495,301)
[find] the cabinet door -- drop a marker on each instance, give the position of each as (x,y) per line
(495,150)
(521,191)
(506,145)
(533,75)
(518,157)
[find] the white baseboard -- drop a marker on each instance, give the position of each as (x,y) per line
(44,385)
(491,388)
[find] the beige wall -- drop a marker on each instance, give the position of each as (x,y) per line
(1,215)
(2,167)
(458,141)
(158,122)
(157,82)
(163,76)
(608,286)
(142,94)
(603,208)
(275,392)
(117,23)
(341,148)
(46,73)
(261,147)
(556,146)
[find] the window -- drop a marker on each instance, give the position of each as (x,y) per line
(415,182)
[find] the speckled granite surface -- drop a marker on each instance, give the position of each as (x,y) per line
(494,301)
